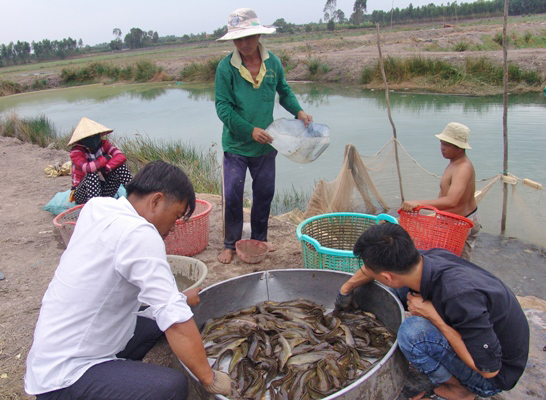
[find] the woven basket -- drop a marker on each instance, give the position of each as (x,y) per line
(192,236)
(437,229)
(327,240)
(251,251)
(66,222)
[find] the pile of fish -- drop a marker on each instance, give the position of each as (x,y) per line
(294,349)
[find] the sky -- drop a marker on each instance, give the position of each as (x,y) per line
(93,21)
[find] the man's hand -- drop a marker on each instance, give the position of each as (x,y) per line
(261,136)
(192,296)
(221,384)
(343,301)
(409,205)
(306,118)
(420,308)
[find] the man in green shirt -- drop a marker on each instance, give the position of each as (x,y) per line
(245,87)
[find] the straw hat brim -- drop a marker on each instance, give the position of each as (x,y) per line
(244,32)
(453,141)
(87,127)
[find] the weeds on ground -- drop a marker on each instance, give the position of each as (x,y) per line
(441,73)
(288,200)
(461,46)
(142,71)
(8,87)
(36,130)
(201,166)
(200,72)
(316,66)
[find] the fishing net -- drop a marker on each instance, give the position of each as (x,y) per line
(371,184)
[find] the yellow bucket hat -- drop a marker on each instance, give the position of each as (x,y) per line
(456,134)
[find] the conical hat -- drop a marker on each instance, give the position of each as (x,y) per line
(87,128)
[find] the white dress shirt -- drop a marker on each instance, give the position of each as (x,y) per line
(114,261)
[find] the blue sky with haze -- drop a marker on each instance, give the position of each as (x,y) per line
(93,21)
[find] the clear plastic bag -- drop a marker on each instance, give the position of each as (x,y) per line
(296,142)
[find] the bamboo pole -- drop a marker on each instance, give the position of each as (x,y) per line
(505,118)
(381,64)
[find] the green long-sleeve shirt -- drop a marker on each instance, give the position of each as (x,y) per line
(241,106)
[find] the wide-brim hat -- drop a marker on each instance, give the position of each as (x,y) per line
(244,22)
(456,134)
(87,127)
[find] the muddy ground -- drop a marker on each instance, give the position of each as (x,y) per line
(30,248)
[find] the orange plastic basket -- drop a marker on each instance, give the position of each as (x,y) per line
(66,221)
(192,236)
(437,229)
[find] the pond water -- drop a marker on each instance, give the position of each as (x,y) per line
(186,112)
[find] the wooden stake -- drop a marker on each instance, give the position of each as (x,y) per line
(389,113)
(505,118)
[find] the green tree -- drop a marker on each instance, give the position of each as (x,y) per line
(135,38)
(329,9)
(359,8)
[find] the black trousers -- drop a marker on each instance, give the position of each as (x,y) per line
(128,379)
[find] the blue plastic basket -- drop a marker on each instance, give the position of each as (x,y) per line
(327,240)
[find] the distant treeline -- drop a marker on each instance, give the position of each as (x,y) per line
(456,11)
(23,52)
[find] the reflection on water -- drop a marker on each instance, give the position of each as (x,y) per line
(357,116)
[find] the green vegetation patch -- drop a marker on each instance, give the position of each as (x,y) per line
(37,130)
(141,71)
(200,72)
(9,87)
(442,73)
(201,166)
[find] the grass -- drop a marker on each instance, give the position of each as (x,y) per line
(8,87)
(288,200)
(36,130)
(141,71)
(438,73)
(316,66)
(201,166)
(200,72)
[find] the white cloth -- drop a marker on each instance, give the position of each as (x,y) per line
(114,261)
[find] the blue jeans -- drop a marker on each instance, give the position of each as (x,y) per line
(429,351)
(262,171)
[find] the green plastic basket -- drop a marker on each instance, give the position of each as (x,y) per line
(327,240)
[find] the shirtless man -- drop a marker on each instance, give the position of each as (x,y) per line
(458,182)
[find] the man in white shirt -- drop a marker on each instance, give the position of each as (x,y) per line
(91,330)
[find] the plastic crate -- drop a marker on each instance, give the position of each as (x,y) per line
(436,229)
(327,240)
(190,237)
(66,222)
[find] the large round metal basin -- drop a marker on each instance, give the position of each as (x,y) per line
(384,381)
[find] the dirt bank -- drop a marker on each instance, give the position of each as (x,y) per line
(345,53)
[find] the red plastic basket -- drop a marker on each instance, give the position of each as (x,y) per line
(192,236)
(440,229)
(66,221)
